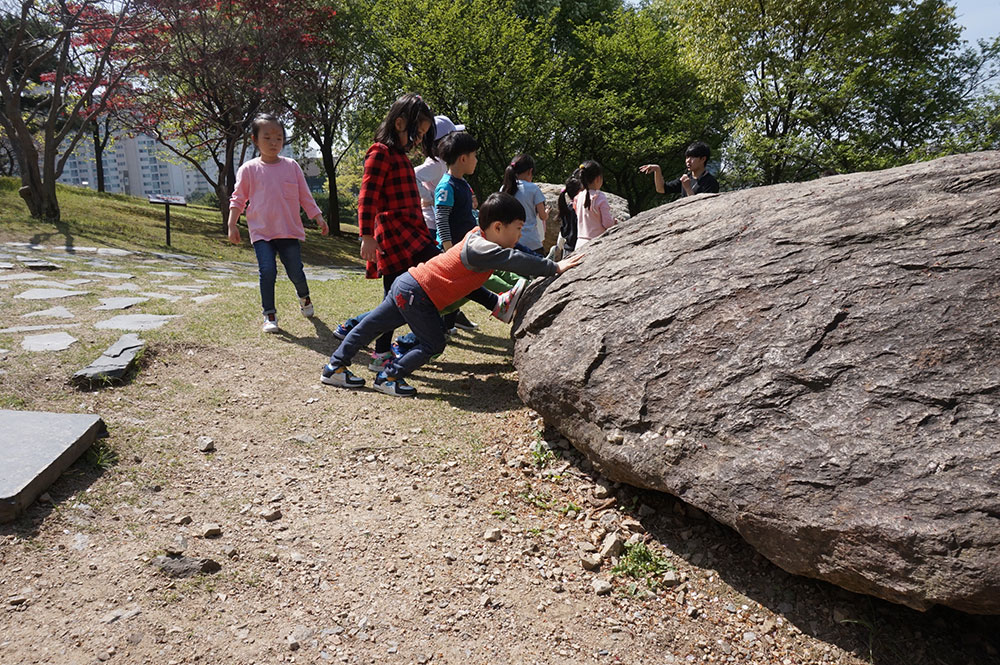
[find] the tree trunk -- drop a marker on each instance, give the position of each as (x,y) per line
(227,179)
(332,209)
(99,157)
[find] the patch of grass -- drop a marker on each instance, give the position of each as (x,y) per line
(102,455)
(541,455)
(127,222)
(570,507)
(639,562)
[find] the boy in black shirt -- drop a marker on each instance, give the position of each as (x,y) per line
(697,181)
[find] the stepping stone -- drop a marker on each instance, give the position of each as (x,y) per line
(135,322)
(111,251)
(48,294)
(78,282)
(49,284)
(114,363)
(127,286)
(58,312)
(119,303)
(59,341)
(6,266)
(105,275)
(36,448)
(205,298)
(168,273)
(21,329)
(252,285)
(19,276)
(39,265)
(187,288)
(324,275)
(80,250)
(162,296)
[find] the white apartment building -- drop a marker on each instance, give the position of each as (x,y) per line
(135,166)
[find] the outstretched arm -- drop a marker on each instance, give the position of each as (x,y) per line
(657,175)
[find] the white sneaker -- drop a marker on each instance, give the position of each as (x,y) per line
(507,301)
(270,323)
(306,306)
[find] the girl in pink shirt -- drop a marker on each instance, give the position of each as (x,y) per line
(275,188)
(592,210)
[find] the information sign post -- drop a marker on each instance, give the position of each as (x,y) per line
(166,202)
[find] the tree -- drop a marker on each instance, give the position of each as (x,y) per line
(60,61)
(635,102)
(326,82)
(211,67)
(813,85)
(482,65)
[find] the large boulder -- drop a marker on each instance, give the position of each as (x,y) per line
(816,365)
(618,205)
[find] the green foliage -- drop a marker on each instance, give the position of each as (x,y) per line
(635,102)
(101,455)
(813,85)
(642,563)
(480,64)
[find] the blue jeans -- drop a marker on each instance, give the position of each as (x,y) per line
(290,251)
(406,303)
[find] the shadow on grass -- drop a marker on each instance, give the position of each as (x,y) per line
(323,342)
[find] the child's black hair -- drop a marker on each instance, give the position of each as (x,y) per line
(569,192)
(586,174)
(262,119)
(500,207)
(413,109)
(454,145)
(518,165)
(698,149)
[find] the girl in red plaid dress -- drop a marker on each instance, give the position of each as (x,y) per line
(394,236)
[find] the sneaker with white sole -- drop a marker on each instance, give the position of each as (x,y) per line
(306,307)
(380,360)
(507,301)
(462,322)
(391,385)
(342,329)
(340,376)
(270,323)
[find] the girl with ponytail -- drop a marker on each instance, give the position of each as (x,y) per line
(592,208)
(517,181)
(567,215)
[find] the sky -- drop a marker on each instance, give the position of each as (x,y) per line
(981,18)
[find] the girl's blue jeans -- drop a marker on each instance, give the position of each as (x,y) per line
(290,252)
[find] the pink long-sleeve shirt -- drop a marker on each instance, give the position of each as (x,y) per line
(595,220)
(275,192)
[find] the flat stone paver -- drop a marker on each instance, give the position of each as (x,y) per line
(58,312)
(135,322)
(162,296)
(189,288)
(205,298)
(19,276)
(105,275)
(59,341)
(114,363)
(48,294)
(253,285)
(36,448)
(119,303)
(49,326)
(127,286)
(168,273)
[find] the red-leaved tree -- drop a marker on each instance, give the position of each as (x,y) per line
(211,66)
(60,62)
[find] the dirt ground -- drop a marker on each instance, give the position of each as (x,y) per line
(354,527)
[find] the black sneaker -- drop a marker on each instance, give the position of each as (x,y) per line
(340,376)
(391,385)
(462,322)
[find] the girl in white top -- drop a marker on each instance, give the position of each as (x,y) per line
(517,181)
(593,213)
(429,173)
